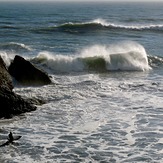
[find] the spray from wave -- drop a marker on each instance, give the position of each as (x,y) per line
(128,56)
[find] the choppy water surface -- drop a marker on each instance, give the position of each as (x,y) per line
(106,64)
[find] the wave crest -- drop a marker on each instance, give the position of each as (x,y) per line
(132,27)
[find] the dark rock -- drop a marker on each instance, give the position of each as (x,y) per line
(27,74)
(5,78)
(11,103)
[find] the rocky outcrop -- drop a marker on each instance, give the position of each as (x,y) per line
(11,103)
(27,74)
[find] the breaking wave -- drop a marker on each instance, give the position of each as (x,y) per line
(126,56)
(123,56)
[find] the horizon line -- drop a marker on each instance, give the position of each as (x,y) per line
(82,1)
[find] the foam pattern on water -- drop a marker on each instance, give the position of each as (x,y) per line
(96,119)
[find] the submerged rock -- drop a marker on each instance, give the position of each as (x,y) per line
(27,74)
(11,103)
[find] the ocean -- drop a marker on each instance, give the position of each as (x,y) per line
(105,60)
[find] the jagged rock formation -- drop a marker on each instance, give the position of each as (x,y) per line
(11,103)
(27,74)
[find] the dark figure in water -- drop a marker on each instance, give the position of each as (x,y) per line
(11,139)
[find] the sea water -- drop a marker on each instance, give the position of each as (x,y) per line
(106,64)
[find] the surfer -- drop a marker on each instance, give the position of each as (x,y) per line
(11,139)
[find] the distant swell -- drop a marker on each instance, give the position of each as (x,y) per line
(99,24)
(81,26)
(8,27)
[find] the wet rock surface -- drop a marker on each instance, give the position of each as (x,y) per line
(11,103)
(27,74)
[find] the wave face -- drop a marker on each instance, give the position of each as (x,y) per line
(126,56)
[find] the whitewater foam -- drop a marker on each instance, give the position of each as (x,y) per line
(127,56)
(58,63)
